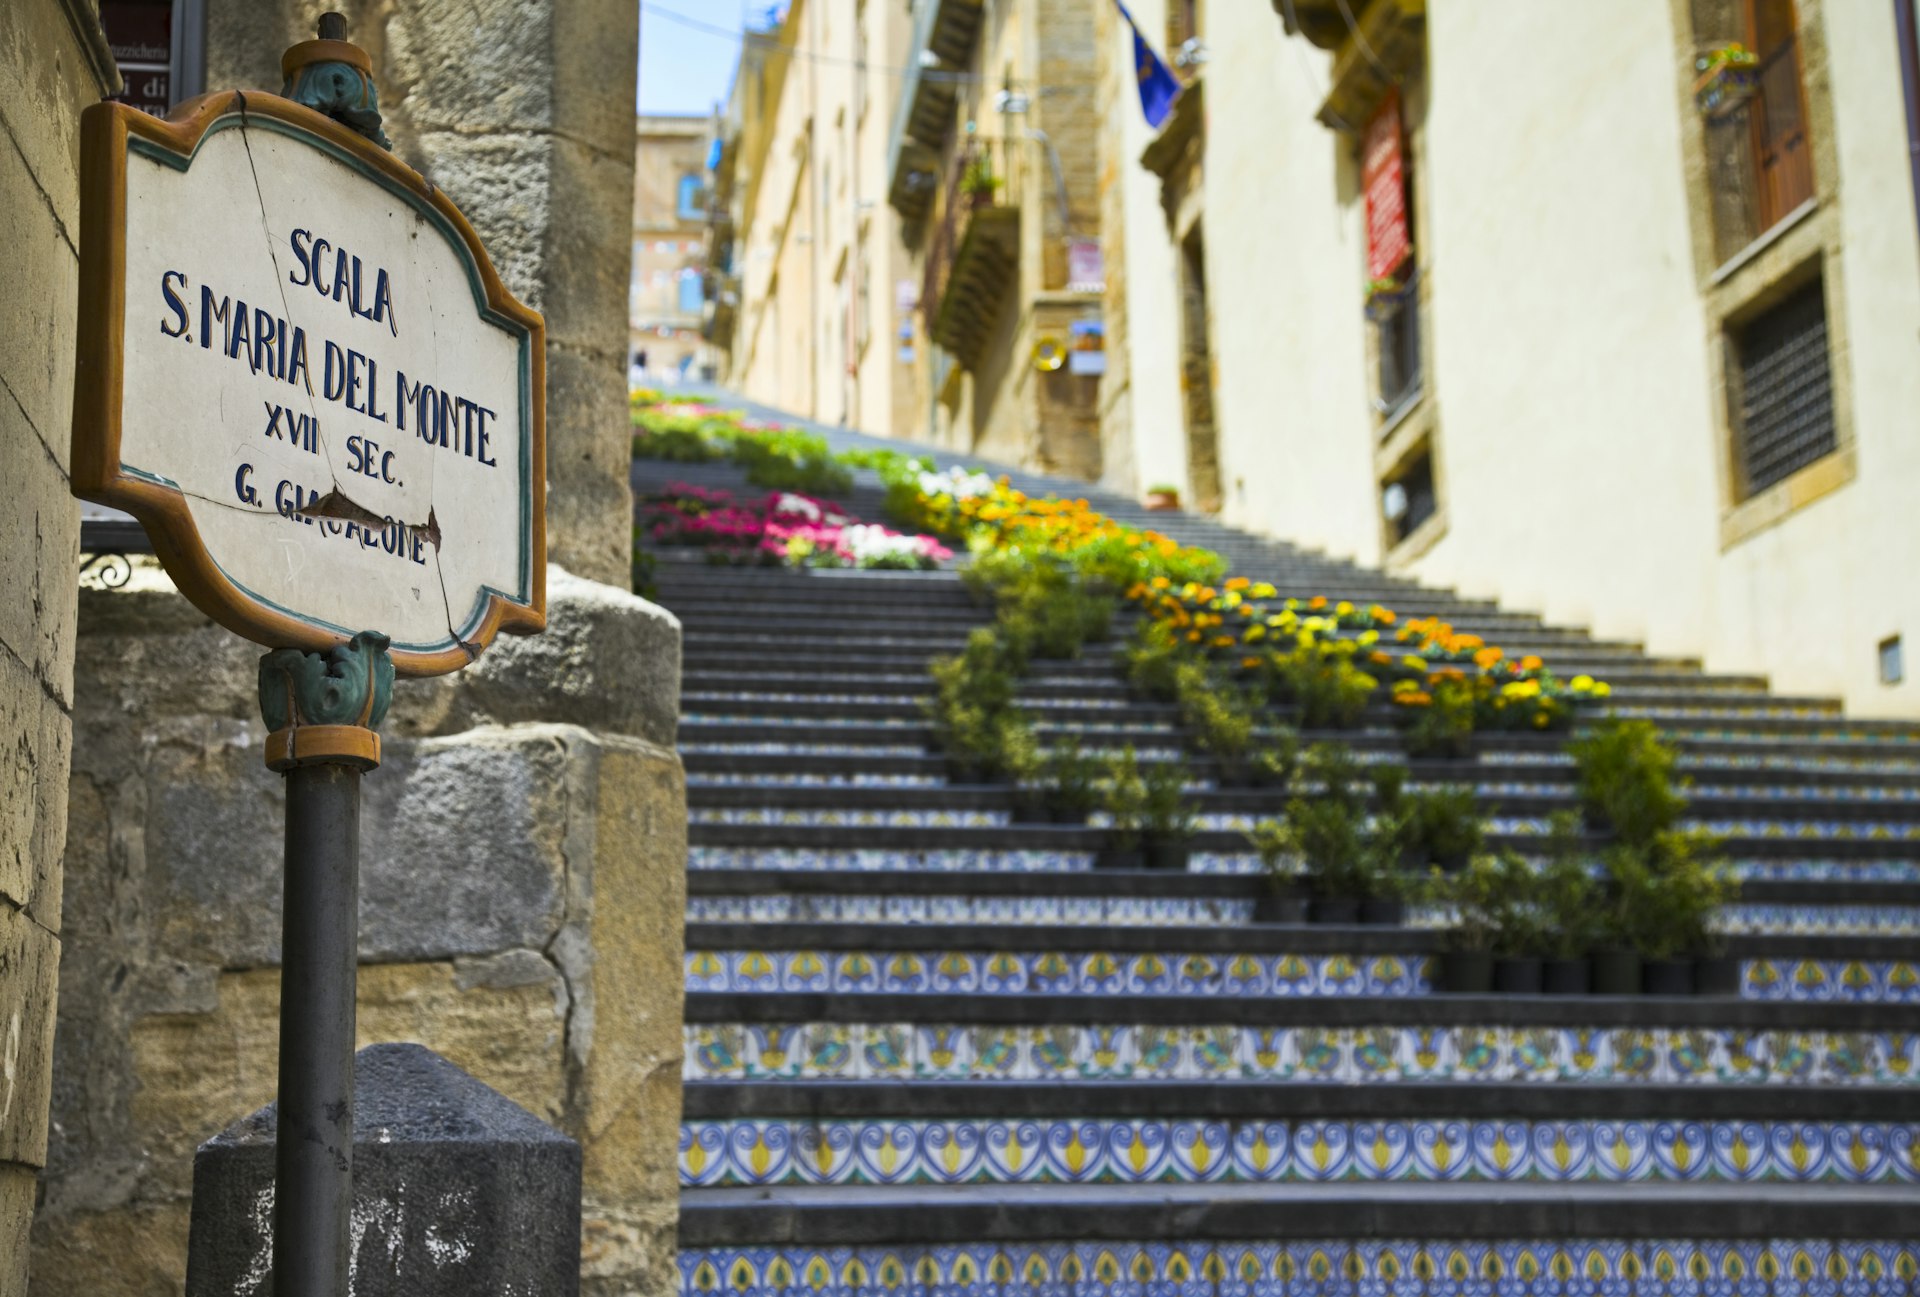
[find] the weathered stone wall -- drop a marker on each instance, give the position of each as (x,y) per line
(522,110)
(523,854)
(53,63)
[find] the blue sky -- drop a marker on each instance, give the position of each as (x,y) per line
(684,69)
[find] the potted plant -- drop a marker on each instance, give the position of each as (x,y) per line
(1072,782)
(1570,904)
(1383,297)
(1277,764)
(1153,659)
(1283,902)
(1017,755)
(1443,729)
(1519,928)
(1162,496)
(1219,717)
(1688,885)
(978,182)
(1726,77)
(1123,795)
(1626,781)
(1444,827)
(1351,871)
(1168,818)
(1473,897)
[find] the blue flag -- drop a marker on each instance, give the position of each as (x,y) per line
(1158,86)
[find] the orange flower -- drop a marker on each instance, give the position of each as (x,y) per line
(1486,657)
(1531,663)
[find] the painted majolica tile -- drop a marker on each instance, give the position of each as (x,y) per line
(1143,1151)
(1323,1268)
(1369,1055)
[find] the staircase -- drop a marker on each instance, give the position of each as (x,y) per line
(930,1049)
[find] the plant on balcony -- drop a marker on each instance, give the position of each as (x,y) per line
(1383,296)
(978,181)
(1727,77)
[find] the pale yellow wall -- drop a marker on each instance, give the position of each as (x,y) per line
(1566,331)
(1847,560)
(1284,277)
(1571,367)
(1155,451)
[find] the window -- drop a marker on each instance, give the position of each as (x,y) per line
(693,297)
(692,201)
(1396,317)
(1758,150)
(1782,397)
(1409,499)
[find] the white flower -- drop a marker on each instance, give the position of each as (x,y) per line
(956,482)
(797,504)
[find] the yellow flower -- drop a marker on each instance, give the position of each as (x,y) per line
(1263,590)
(1368,638)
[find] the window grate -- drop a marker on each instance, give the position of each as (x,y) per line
(1786,390)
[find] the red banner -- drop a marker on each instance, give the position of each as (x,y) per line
(1383,178)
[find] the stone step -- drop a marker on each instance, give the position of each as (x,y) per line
(1691,1226)
(1263,940)
(1709,773)
(1057,839)
(1102,669)
(895,720)
(1300,1101)
(1509,800)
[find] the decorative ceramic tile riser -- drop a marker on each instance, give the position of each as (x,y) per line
(799,722)
(1742,760)
(1110,1151)
(1056,973)
(882,860)
(1106,911)
(770,748)
(790,779)
(850,819)
(1815,920)
(1096,972)
(1367,1055)
(1320,1268)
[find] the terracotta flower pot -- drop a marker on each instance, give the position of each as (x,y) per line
(1162,501)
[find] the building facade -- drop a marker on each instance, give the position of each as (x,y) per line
(667,302)
(914,223)
(1608,311)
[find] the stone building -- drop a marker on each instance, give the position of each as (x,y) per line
(667,301)
(523,842)
(918,228)
(1605,310)
(54,61)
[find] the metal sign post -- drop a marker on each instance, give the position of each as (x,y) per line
(322,709)
(299,370)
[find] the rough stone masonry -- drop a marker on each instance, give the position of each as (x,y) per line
(524,843)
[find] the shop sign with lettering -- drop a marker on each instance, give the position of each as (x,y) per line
(300,371)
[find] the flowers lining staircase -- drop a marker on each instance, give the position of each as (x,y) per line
(933,1050)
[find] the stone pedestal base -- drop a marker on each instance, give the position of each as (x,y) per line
(457,1191)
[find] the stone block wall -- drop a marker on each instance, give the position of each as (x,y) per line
(53,62)
(523,855)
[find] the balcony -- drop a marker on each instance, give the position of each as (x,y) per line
(944,32)
(975,253)
(1385,43)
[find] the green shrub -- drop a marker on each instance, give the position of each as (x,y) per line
(1153,658)
(1333,693)
(1626,780)
(1123,795)
(1443,729)
(1444,825)
(1072,777)
(1219,716)
(1167,814)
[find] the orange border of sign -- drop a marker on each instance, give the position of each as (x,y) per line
(99,373)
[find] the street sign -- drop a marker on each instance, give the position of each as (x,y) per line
(299,370)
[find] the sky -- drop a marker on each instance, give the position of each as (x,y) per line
(684,69)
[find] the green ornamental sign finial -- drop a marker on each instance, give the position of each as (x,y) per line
(334,78)
(349,684)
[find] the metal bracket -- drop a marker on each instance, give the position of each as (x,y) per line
(323,706)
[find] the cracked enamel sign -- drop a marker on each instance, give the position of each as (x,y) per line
(299,370)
